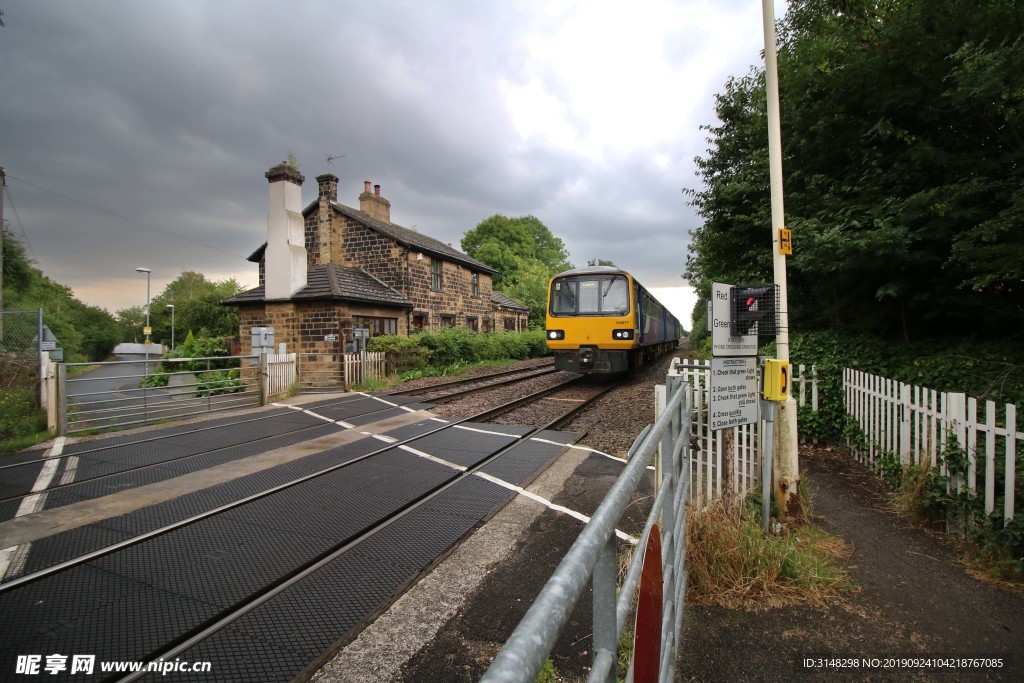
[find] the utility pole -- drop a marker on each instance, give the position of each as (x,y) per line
(786,468)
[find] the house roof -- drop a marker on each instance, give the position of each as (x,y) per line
(335,282)
(505,301)
(404,236)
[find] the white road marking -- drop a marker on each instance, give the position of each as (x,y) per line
(432,458)
(12,560)
(342,423)
(486,431)
(393,405)
(552,506)
(588,450)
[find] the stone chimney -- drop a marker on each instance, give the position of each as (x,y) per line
(285,256)
(374,204)
(327,242)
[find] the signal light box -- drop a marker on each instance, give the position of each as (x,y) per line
(723,342)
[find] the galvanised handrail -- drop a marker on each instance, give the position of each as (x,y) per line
(593,554)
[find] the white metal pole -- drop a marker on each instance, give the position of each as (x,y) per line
(787,468)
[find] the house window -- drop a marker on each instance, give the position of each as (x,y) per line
(510,324)
(435,275)
(447,321)
(376,326)
(473,324)
(487,324)
(474,284)
(419,321)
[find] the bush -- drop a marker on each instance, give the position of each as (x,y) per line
(19,415)
(458,346)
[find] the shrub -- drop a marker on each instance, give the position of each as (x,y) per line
(19,414)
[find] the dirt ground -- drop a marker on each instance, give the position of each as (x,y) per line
(913,599)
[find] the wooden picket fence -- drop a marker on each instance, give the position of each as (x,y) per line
(364,367)
(912,423)
(730,459)
(279,376)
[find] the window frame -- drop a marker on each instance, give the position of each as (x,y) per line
(436,275)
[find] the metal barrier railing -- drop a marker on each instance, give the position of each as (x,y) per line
(594,555)
(110,397)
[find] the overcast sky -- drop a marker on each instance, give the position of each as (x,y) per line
(585,114)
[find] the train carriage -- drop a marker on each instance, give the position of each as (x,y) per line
(602,320)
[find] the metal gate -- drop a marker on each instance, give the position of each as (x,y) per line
(95,397)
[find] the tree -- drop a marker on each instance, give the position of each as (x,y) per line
(84,332)
(525,254)
(599,262)
(904,185)
(197,308)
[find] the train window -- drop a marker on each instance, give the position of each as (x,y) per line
(590,296)
(563,297)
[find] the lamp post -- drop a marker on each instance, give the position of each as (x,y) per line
(145,406)
(147,271)
(171,306)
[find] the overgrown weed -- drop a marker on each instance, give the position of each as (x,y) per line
(731,562)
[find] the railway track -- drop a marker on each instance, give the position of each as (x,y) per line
(394,509)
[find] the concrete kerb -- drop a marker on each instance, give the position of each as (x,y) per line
(379,652)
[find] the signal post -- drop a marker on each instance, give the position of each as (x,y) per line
(786,462)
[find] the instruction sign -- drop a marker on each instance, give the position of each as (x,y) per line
(733,398)
(721,343)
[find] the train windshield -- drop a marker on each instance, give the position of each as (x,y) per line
(590,295)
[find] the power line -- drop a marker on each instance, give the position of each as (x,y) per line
(125,218)
(24,234)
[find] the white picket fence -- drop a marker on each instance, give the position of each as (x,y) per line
(279,376)
(912,422)
(364,367)
(730,459)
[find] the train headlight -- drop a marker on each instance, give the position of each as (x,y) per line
(556,334)
(622,334)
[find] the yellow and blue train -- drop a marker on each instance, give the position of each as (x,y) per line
(602,320)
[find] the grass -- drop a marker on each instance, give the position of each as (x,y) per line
(731,562)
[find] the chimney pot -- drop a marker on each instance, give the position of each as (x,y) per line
(366,186)
(376,190)
(328,186)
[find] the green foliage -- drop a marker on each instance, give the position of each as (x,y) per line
(525,254)
(20,416)
(987,370)
(197,308)
(213,376)
(935,494)
(84,332)
(904,187)
(547,672)
(455,347)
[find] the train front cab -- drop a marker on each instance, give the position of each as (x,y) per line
(591,321)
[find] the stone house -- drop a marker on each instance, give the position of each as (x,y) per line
(329,269)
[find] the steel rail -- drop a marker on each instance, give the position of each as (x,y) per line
(169,460)
(269,415)
(547,368)
(230,615)
(128,542)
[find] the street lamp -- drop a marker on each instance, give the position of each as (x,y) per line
(145,407)
(171,306)
(147,271)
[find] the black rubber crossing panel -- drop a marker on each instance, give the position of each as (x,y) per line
(47,607)
(9,508)
(125,439)
(216,561)
(520,463)
(305,620)
(462,446)
(18,481)
(368,418)
(127,628)
(53,550)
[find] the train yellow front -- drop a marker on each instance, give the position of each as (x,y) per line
(601,319)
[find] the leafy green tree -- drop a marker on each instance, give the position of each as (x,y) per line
(903,169)
(524,252)
(197,308)
(599,262)
(84,332)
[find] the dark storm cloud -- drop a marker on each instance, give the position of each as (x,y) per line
(169,113)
